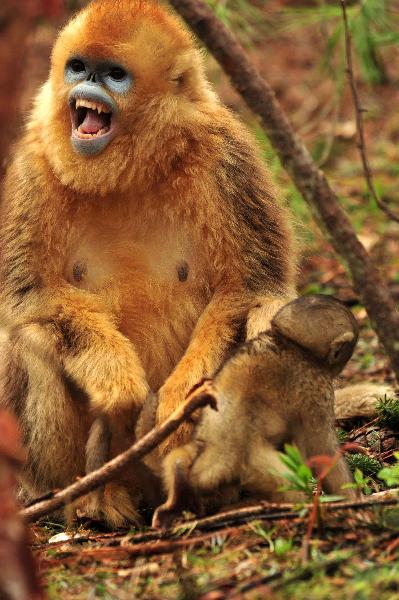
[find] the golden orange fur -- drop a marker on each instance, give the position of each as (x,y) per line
(139,268)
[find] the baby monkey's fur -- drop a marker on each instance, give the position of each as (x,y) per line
(275,389)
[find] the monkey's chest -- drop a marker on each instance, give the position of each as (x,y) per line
(157,288)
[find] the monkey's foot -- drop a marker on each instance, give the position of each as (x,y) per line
(113,505)
(164,516)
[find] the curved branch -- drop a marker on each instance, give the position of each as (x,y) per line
(359,121)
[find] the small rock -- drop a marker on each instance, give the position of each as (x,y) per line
(60,537)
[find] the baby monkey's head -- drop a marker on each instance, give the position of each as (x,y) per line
(322,325)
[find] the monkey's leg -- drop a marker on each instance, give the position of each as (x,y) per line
(98,447)
(55,419)
(111,502)
(213,335)
(317,437)
(54,425)
(180,494)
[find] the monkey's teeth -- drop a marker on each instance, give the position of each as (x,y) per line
(100,108)
(88,136)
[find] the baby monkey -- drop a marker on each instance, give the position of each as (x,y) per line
(276,388)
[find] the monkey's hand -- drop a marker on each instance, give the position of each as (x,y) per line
(213,335)
(111,374)
(98,357)
(184,432)
(170,398)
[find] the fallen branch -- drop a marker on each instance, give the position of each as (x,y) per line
(116,465)
(296,159)
(125,550)
(266,511)
(359,121)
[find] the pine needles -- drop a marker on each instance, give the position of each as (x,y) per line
(388,412)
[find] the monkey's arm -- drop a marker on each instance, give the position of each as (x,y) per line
(91,350)
(214,334)
(96,355)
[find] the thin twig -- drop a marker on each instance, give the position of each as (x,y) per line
(116,465)
(287,511)
(359,121)
(124,550)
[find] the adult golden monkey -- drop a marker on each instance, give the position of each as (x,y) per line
(141,238)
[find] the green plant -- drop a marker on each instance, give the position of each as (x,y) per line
(342,435)
(282,546)
(279,546)
(298,475)
(388,411)
(391,474)
(242,16)
(361,482)
(373,26)
(367,464)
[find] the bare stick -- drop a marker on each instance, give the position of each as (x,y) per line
(263,511)
(116,465)
(296,159)
(359,121)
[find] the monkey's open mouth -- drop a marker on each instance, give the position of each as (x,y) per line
(90,119)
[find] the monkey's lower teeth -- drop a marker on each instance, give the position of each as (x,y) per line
(84,135)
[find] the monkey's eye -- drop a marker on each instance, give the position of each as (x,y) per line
(77,66)
(117,74)
(75,70)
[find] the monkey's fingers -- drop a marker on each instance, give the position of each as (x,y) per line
(203,387)
(164,516)
(111,505)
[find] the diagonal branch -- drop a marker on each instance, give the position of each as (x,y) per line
(112,468)
(296,159)
(359,121)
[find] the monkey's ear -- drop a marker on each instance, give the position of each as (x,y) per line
(341,349)
(186,73)
(180,72)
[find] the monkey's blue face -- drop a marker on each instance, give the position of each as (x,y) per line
(94,113)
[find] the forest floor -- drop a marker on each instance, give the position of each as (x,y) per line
(352,553)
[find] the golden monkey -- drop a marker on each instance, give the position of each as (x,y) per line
(141,239)
(277,388)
